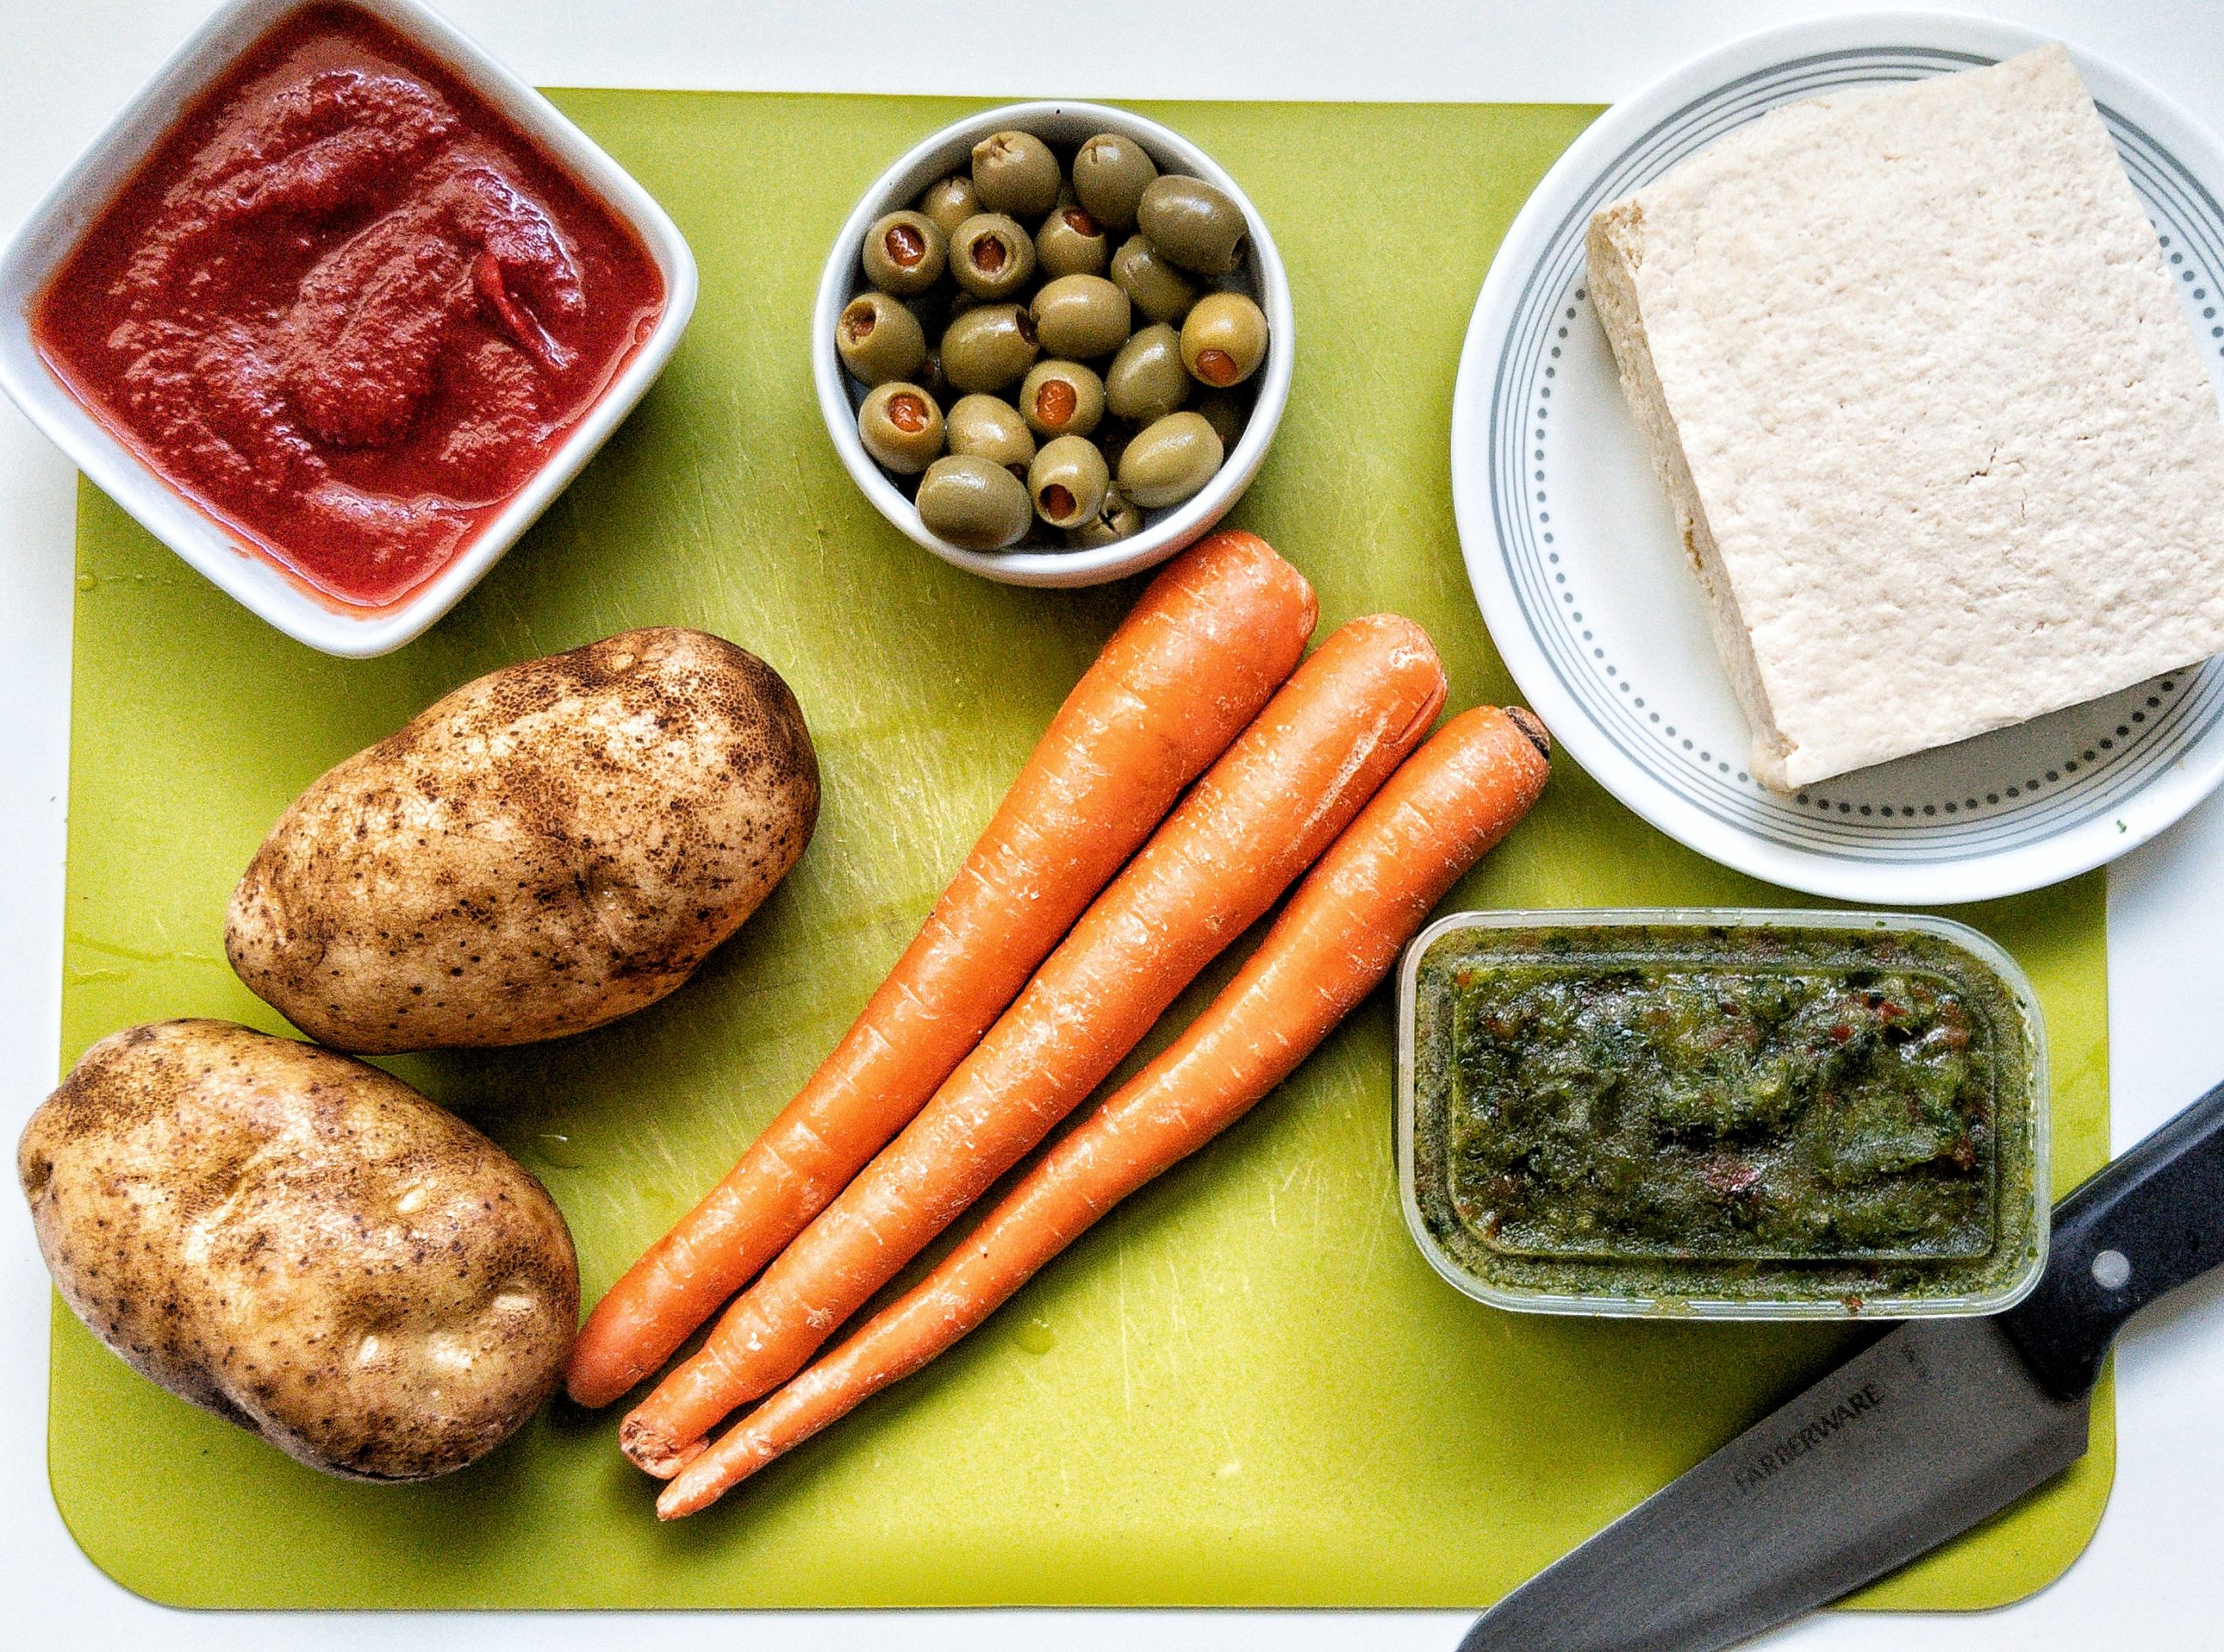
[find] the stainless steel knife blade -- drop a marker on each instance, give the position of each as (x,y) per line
(1913,1439)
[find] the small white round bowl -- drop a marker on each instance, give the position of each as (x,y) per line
(1262,276)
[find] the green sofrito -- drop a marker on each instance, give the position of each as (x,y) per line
(1753,1112)
(1677,1109)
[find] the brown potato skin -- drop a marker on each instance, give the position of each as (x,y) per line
(548,849)
(302,1244)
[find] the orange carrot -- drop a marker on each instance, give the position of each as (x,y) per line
(1262,815)
(1206,646)
(1334,943)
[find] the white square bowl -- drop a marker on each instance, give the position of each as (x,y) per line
(56,225)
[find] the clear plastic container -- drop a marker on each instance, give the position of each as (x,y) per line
(1682,1279)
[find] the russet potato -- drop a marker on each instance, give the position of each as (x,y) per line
(302,1244)
(550,847)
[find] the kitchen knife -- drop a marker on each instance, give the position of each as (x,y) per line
(1913,1440)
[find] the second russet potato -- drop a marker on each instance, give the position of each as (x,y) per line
(304,1244)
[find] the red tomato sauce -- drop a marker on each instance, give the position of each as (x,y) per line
(347,307)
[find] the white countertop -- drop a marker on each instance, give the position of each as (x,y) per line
(2151,1579)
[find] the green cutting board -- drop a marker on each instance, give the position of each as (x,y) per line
(1245,1387)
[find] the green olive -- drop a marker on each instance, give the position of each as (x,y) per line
(989,427)
(1193,224)
(1169,460)
(1110,173)
(1226,411)
(1014,172)
(1060,399)
(988,348)
(1224,339)
(1116,518)
(1079,316)
(1070,242)
(1146,380)
(949,201)
(904,253)
(974,503)
(901,427)
(991,256)
(1155,287)
(878,340)
(1068,480)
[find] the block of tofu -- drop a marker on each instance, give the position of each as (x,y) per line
(1933,422)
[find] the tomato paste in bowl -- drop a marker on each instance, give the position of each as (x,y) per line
(348,306)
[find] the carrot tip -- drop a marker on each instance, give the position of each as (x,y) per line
(1526,720)
(653,1452)
(681,1498)
(664,1466)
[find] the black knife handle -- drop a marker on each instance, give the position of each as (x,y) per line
(2143,1226)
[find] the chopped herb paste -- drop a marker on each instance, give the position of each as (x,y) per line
(1693,1112)
(1667,1111)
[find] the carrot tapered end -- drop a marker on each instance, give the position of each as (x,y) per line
(707,1479)
(654,1453)
(1526,720)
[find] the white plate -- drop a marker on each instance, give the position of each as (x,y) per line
(1573,555)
